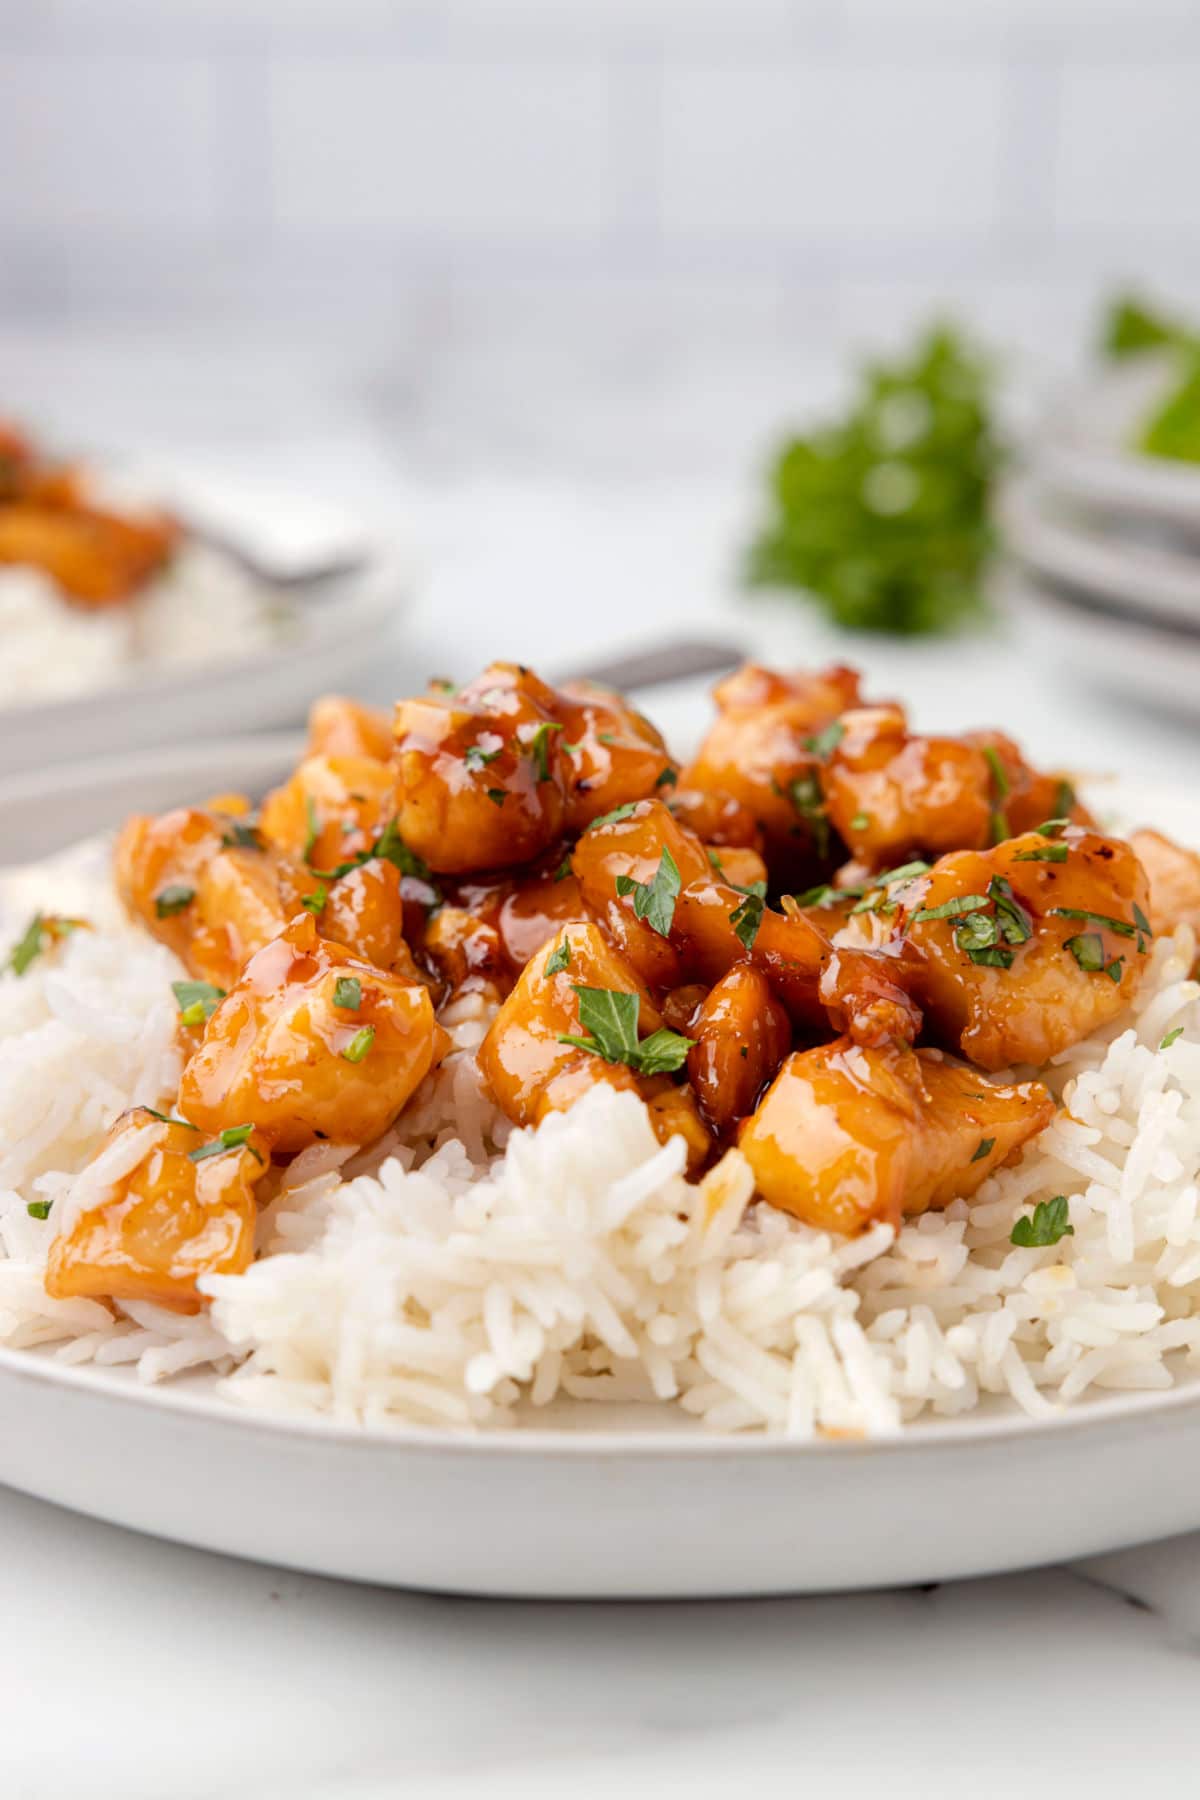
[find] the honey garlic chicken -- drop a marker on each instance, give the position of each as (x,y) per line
(537,856)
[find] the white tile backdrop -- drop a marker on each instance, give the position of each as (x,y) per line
(463,202)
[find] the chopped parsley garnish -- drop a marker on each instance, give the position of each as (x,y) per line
(197,1000)
(1171,1037)
(239,835)
(347,993)
(1051,853)
(171,900)
(1049,1223)
(38,1209)
(166,1119)
(28,947)
(314,828)
(610,1019)
(827,741)
(952,909)
(984,1148)
(389,846)
(560,960)
(1088,950)
(616,815)
(359,1044)
(564,868)
(860,821)
(655,900)
(1122,927)
(1064,798)
(873,890)
(747,918)
(979,938)
(234,1137)
(477,757)
(497,796)
(605,737)
(1000,793)
(314,903)
(823,895)
(806,797)
(538,745)
(1053,828)
(668,778)
(1016,925)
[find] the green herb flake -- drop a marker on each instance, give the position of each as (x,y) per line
(747,918)
(1171,1037)
(497,796)
(985,1148)
(314,903)
(1047,853)
(1113,970)
(347,993)
(952,909)
(538,745)
(166,1119)
(668,778)
(359,1044)
(234,1137)
(654,901)
(196,1000)
(476,757)
(38,1209)
(564,868)
(827,741)
(1088,950)
(1064,798)
(808,800)
(240,835)
(1016,924)
(1050,1223)
(171,900)
(1052,828)
(1122,927)
(314,828)
(860,821)
(389,846)
(560,960)
(823,895)
(28,947)
(616,815)
(610,1020)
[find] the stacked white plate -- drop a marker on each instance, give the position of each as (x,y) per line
(1108,541)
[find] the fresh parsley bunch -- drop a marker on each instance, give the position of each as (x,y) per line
(883,516)
(1173,429)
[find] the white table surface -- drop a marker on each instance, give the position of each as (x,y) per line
(136,1669)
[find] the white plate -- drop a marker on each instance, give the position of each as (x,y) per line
(1112,651)
(1149,580)
(606,1504)
(344,625)
(1083,447)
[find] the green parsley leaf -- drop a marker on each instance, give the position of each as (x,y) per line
(1052,828)
(232,1138)
(747,918)
(29,946)
(610,1019)
(1088,950)
(1113,970)
(347,993)
(497,796)
(1064,798)
(359,1044)
(314,828)
(1050,853)
(196,1000)
(1172,1036)
(952,909)
(808,800)
(823,895)
(389,846)
(668,778)
(476,757)
(881,516)
(38,1209)
(1050,1223)
(827,741)
(166,1119)
(560,960)
(1121,926)
(663,1052)
(314,903)
(1016,924)
(538,745)
(564,868)
(655,901)
(860,821)
(171,900)
(241,835)
(985,1148)
(616,815)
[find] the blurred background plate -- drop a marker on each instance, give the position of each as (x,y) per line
(1084,449)
(343,625)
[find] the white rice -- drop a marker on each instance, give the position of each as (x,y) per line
(203,602)
(466,1275)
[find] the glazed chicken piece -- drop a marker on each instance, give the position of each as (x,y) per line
(765,750)
(312,1043)
(338,726)
(332,808)
(846,1137)
(740,1034)
(157,865)
(482,773)
(179,1208)
(629,885)
(1174,877)
(891,794)
(1025,949)
(612,754)
(716,819)
(531,1071)
(94,557)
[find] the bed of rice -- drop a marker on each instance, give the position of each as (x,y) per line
(465,1275)
(202,604)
